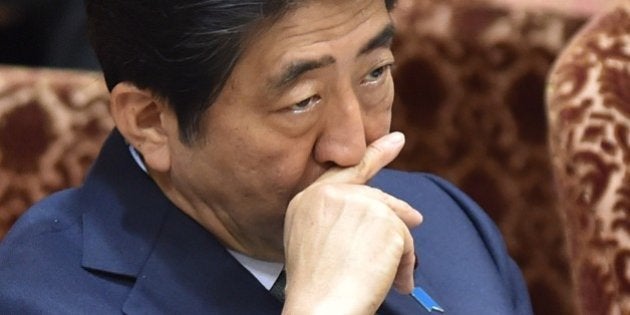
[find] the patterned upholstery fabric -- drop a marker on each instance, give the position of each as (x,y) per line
(52,124)
(589,117)
(470,84)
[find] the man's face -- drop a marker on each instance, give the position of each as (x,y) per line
(309,93)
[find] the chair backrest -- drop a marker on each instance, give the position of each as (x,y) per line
(52,124)
(470,81)
(589,117)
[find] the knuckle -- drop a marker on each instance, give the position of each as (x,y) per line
(296,199)
(375,149)
(328,191)
(361,171)
(384,214)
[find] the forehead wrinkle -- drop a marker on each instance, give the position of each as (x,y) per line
(334,25)
(288,29)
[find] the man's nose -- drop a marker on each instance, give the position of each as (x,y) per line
(342,141)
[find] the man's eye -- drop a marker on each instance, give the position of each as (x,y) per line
(376,74)
(305,105)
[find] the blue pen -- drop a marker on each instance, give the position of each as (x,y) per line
(425,300)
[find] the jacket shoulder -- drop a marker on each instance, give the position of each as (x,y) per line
(53,213)
(41,262)
(460,249)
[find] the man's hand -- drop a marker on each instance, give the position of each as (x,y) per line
(347,243)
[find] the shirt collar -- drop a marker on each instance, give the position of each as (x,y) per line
(266,272)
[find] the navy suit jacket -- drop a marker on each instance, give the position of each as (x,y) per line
(118,245)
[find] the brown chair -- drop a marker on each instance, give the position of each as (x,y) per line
(52,124)
(470,83)
(589,119)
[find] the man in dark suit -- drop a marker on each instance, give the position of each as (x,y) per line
(250,142)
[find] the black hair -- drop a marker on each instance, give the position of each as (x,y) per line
(181,50)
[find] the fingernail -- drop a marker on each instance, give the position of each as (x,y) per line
(396,137)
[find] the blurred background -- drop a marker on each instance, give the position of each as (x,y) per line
(47,33)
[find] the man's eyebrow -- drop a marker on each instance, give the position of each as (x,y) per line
(297,68)
(383,39)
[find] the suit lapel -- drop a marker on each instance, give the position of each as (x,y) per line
(125,212)
(190,272)
(131,229)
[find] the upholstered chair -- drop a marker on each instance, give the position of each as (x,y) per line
(470,81)
(589,119)
(52,124)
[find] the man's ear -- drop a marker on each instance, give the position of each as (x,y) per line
(146,122)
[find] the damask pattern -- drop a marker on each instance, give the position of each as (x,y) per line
(52,124)
(470,82)
(589,106)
